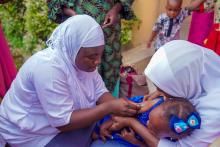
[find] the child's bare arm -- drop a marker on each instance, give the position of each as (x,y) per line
(151,39)
(144,132)
(105,129)
(130,137)
(154,95)
(121,122)
(194,5)
(156,29)
(146,105)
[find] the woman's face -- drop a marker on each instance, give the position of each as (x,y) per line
(164,94)
(88,59)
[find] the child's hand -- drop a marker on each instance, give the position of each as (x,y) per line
(146,105)
(153,95)
(120,122)
(149,44)
(124,107)
(105,130)
(130,137)
(127,135)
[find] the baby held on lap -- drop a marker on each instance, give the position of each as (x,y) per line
(172,118)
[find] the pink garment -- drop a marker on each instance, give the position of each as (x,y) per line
(7,66)
(200,27)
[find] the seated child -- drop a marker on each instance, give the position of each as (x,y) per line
(171,118)
(168,25)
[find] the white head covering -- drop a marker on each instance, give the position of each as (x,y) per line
(67,39)
(76,32)
(184,69)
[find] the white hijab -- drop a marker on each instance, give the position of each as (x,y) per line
(66,40)
(184,69)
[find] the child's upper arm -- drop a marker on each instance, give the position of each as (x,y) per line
(186,12)
(158,24)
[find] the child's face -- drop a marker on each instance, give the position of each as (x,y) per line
(158,125)
(173,9)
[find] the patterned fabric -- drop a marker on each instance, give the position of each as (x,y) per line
(217,12)
(209,5)
(111,61)
(166,32)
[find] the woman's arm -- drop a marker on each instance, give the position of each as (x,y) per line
(141,130)
(85,117)
(194,5)
(59,105)
(106,97)
(126,11)
(69,11)
(112,16)
(122,7)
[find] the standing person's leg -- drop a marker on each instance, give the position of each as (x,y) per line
(2,83)
(8,69)
(112,59)
(200,21)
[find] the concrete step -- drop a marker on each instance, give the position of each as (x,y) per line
(139,57)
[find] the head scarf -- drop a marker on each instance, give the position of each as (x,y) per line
(76,32)
(184,69)
(66,41)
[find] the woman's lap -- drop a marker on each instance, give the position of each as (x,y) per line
(109,143)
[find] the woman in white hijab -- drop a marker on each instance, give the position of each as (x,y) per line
(183,69)
(59,90)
